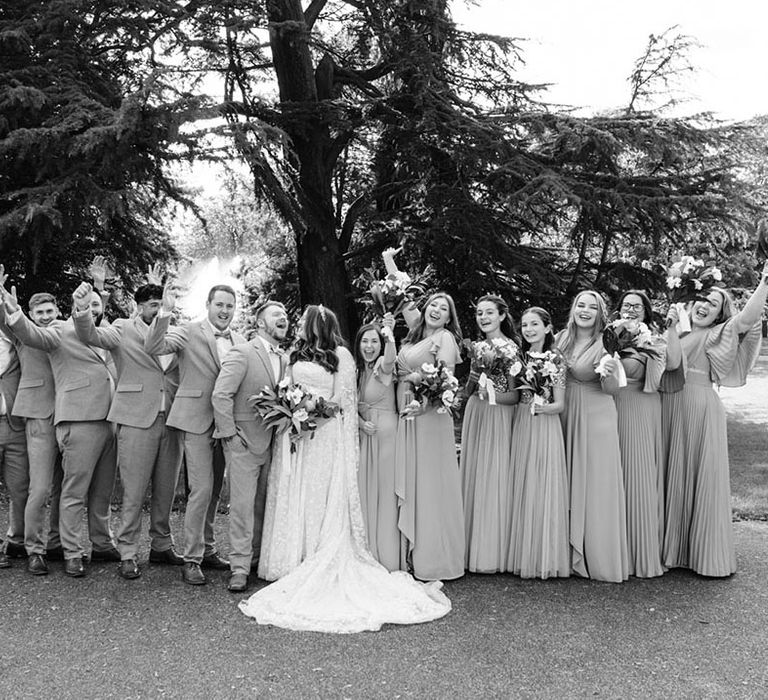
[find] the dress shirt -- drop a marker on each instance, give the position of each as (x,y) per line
(274,353)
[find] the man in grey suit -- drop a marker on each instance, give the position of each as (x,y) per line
(245,371)
(200,347)
(84,379)
(147,449)
(34,405)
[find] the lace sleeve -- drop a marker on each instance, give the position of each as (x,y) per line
(346,391)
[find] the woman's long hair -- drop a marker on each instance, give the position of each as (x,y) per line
(417,332)
(568,336)
(546,319)
(727,310)
(322,335)
(507,327)
(359,337)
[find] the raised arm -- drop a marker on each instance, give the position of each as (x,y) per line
(160,340)
(107,338)
(753,309)
(47,339)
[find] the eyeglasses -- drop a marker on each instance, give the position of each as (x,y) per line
(631,307)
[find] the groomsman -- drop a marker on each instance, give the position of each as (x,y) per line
(34,404)
(14,466)
(83,379)
(245,371)
(200,347)
(147,449)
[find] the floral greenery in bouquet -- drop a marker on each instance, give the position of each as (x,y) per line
(688,280)
(495,358)
(626,337)
(396,290)
(292,408)
(541,371)
(433,384)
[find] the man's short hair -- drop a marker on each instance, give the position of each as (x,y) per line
(261,308)
(41,298)
(147,292)
(220,288)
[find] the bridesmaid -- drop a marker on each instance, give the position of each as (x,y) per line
(598,529)
(721,348)
(375,354)
(427,483)
(639,409)
(486,450)
(540,505)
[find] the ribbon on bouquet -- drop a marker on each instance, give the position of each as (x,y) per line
(684,320)
(621,375)
(537,400)
(486,384)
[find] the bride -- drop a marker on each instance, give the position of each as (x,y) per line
(314,542)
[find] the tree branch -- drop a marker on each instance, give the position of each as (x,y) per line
(313,11)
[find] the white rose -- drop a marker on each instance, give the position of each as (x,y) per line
(697,284)
(515,368)
(301,415)
(717,275)
(448,397)
(673,282)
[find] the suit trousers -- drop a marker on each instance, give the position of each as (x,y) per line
(44,479)
(248,474)
(88,460)
(14,467)
(144,455)
(205,476)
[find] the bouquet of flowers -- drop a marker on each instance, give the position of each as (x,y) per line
(291,407)
(688,280)
(394,291)
(626,337)
(433,384)
(542,370)
(494,358)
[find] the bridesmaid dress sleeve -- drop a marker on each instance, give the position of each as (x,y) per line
(732,356)
(380,375)
(445,348)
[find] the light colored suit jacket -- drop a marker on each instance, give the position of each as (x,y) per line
(9,385)
(35,395)
(141,380)
(246,370)
(199,366)
(83,378)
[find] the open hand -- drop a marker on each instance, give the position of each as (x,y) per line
(99,271)
(154,275)
(169,297)
(10,302)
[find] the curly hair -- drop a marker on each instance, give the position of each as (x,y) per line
(320,337)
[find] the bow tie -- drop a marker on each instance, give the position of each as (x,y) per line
(276,350)
(223,334)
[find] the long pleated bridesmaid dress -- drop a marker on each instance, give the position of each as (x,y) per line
(428,486)
(376,473)
(598,530)
(487,472)
(639,412)
(698,528)
(539,528)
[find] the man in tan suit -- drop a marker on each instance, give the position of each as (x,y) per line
(245,371)
(34,405)
(83,379)
(147,449)
(200,347)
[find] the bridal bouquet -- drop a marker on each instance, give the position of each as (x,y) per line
(394,291)
(542,371)
(495,360)
(626,337)
(291,407)
(688,280)
(433,384)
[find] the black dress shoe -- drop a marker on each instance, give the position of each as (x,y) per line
(167,556)
(15,551)
(237,583)
(5,562)
(55,554)
(192,574)
(74,567)
(214,561)
(129,569)
(105,554)
(254,565)
(36,565)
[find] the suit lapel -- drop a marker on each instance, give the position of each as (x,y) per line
(263,355)
(208,335)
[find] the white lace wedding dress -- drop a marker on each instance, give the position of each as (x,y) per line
(314,543)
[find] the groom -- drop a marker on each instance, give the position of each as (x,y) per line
(245,371)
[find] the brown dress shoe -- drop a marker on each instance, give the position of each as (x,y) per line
(214,561)
(5,562)
(129,569)
(110,554)
(36,565)
(167,556)
(237,583)
(192,574)
(74,567)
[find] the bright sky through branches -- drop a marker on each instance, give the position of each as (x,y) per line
(587,48)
